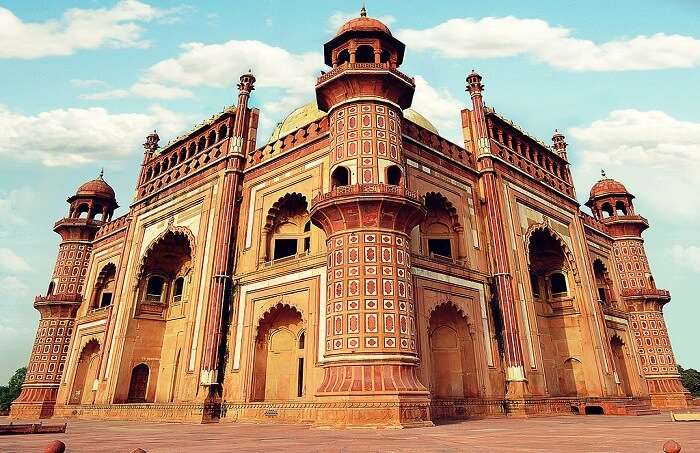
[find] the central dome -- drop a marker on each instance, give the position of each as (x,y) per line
(363,23)
(310,112)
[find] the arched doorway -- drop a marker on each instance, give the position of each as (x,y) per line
(85,374)
(620,361)
(163,297)
(138,385)
(278,368)
(554,297)
(453,365)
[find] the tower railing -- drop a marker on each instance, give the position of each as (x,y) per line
(386,67)
(367,189)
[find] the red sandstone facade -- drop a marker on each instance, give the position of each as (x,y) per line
(357,269)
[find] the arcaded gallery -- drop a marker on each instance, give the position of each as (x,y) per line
(353,269)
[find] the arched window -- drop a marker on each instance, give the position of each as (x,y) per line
(557,284)
(223,131)
(211,138)
(393,175)
(178,288)
(364,54)
(201,144)
(104,286)
(49,291)
(343,57)
(82,211)
(607,210)
(154,288)
(340,177)
(183,154)
(191,150)
(156,169)
(384,57)
(288,228)
(302,340)
(173,160)
(620,208)
(440,227)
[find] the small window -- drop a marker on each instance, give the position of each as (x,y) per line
(393,175)
(285,248)
(441,247)
(340,177)
(302,340)
(620,208)
(106,300)
(154,288)
(343,57)
(307,244)
(178,287)
(49,291)
(307,227)
(557,282)
(534,282)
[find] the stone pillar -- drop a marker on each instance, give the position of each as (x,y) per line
(210,370)
(502,277)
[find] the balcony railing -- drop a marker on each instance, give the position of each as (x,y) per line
(367,189)
(384,67)
(78,298)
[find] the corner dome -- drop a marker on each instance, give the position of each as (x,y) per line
(96,187)
(607,186)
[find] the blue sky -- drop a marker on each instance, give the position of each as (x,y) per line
(84,82)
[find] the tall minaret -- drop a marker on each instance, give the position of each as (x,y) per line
(367,214)
(611,203)
(220,289)
(502,276)
(90,208)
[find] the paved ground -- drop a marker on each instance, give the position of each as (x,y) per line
(554,434)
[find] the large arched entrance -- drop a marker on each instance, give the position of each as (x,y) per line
(85,374)
(553,293)
(161,316)
(278,369)
(453,365)
(620,360)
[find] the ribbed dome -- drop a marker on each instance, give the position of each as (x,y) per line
(607,186)
(96,187)
(310,112)
(363,24)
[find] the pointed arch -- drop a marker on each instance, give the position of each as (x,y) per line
(289,205)
(171,230)
(438,200)
(545,228)
(267,316)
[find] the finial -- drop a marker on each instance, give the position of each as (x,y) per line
(102,172)
(363,10)
(602,173)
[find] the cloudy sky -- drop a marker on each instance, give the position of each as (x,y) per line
(84,82)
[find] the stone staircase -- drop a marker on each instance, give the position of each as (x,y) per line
(640,409)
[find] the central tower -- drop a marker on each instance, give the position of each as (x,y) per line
(367,213)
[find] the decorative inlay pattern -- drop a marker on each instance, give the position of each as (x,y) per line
(370,296)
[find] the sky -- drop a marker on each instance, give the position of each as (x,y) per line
(83,83)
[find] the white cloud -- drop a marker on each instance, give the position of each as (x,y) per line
(687,257)
(494,37)
(11,205)
(157,91)
(74,136)
(338,18)
(11,262)
(146,90)
(440,108)
(103,95)
(77,29)
(273,67)
(651,152)
(88,83)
